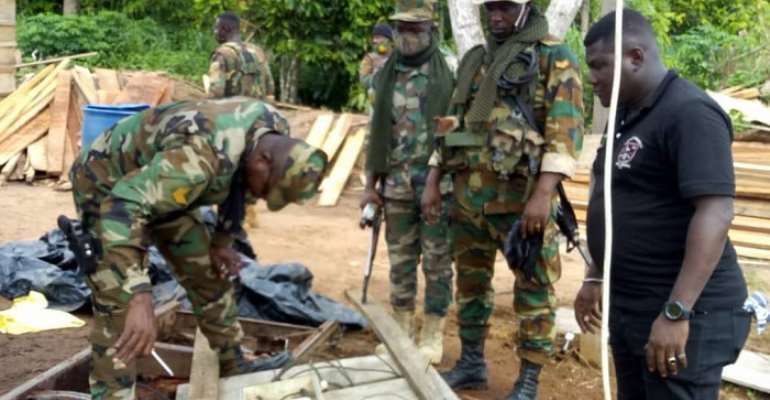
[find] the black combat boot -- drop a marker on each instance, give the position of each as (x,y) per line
(470,371)
(526,386)
(238,365)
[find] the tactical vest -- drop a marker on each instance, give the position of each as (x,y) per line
(250,82)
(514,141)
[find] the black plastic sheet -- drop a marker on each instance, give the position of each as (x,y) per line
(278,293)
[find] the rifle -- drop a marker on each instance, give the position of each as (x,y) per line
(568,225)
(371,216)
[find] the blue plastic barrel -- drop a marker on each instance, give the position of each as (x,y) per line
(99,118)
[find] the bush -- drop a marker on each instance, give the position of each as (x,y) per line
(121,42)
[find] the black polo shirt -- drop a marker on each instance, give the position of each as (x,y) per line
(675,147)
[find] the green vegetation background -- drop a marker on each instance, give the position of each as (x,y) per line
(716,43)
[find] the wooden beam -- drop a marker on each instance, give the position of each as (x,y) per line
(107,79)
(29,134)
(57,59)
(84,81)
(416,369)
(335,183)
(7,103)
(204,377)
(334,140)
(37,154)
(310,345)
(57,134)
(320,128)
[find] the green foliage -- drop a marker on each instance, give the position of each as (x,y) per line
(121,42)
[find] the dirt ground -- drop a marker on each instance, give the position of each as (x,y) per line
(329,242)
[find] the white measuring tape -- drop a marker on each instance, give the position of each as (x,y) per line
(609,151)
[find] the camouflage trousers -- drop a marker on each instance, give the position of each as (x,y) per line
(477,238)
(184,243)
(409,238)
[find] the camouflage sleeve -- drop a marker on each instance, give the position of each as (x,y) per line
(170,182)
(223,64)
(564,113)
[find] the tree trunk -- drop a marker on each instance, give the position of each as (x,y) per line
(466,25)
(560,15)
(601,113)
(71,7)
(288,79)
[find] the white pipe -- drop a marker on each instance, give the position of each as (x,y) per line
(609,153)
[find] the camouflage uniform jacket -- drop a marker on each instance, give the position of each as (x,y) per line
(158,164)
(499,166)
(240,69)
(410,146)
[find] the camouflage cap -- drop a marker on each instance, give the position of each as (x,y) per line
(481,2)
(305,166)
(414,11)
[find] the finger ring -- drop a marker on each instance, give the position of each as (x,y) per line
(672,360)
(682,357)
(586,318)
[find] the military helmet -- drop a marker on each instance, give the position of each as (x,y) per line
(302,174)
(482,2)
(415,11)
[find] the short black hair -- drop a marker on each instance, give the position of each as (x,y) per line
(230,19)
(634,25)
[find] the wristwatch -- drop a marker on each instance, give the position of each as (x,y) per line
(675,311)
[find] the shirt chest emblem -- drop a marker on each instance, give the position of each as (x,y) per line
(628,152)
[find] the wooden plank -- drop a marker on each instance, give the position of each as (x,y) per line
(251,327)
(84,81)
(57,134)
(143,88)
(752,110)
(7,103)
(413,365)
(107,79)
(57,59)
(74,125)
(335,182)
(107,97)
(320,129)
(390,389)
(30,133)
(25,108)
(310,345)
(338,373)
(337,136)
(37,154)
(168,93)
(752,370)
(204,376)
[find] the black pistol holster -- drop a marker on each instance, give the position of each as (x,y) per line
(86,248)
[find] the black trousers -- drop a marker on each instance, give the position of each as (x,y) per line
(716,338)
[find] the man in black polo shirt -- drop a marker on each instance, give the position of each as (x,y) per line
(677,291)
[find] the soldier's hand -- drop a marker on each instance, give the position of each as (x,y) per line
(371,196)
(431,204)
(226,261)
(535,216)
(588,307)
(139,331)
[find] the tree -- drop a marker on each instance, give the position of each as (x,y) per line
(560,15)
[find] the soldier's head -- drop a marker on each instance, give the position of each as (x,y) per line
(640,62)
(382,36)
(283,170)
(227,27)
(505,17)
(415,23)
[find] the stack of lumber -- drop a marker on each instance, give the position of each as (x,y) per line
(751,116)
(40,122)
(750,232)
(342,149)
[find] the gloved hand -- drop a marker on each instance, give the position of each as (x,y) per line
(521,253)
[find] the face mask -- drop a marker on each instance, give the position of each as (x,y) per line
(382,48)
(411,44)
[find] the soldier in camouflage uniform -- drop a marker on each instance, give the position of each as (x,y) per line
(516,132)
(413,87)
(238,68)
(382,37)
(142,182)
